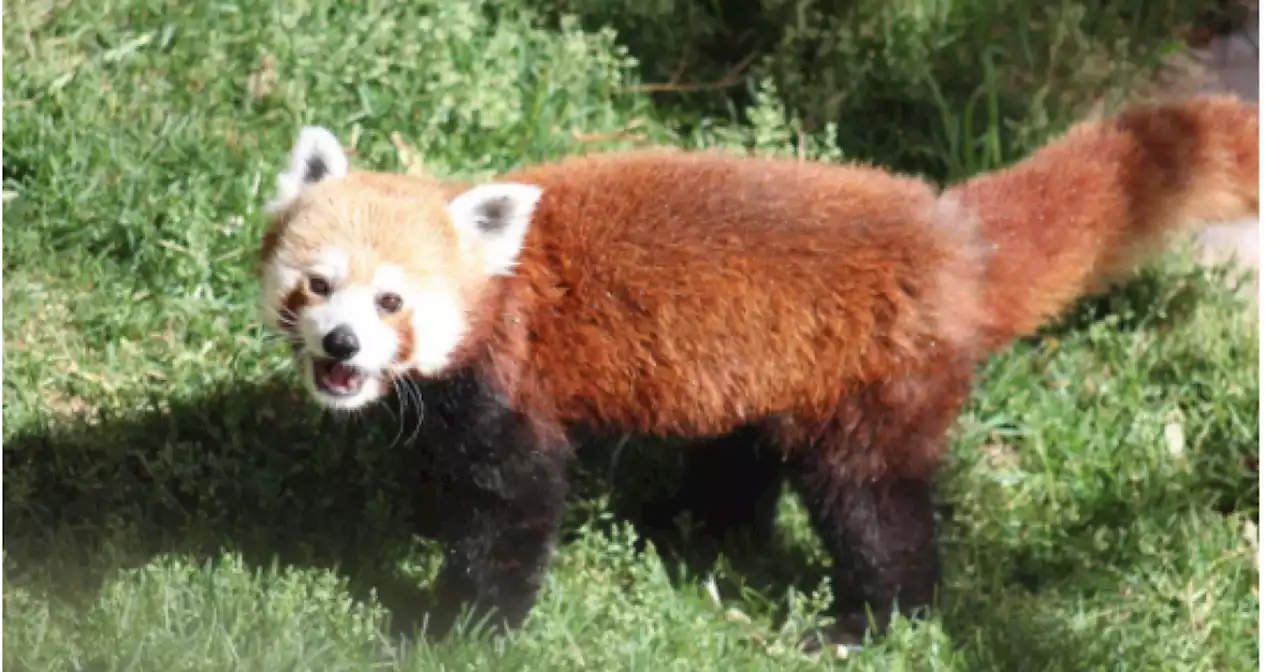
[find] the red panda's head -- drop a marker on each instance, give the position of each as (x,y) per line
(368,273)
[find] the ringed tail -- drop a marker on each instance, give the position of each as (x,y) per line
(1083,210)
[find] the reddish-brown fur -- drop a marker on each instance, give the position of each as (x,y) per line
(1082,210)
(688,294)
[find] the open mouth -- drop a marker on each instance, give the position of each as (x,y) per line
(336,378)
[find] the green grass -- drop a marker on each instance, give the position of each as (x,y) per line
(172,502)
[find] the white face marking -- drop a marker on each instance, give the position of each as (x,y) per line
(332,263)
(389,279)
(351,305)
(356,308)
(348,306)
(439,325)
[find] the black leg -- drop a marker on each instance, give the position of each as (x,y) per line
(501,485)
(882,541)
(730,484)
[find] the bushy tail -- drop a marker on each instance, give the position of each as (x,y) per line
(1082,210)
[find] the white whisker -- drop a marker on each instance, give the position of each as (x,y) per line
(421,407)
(395,388)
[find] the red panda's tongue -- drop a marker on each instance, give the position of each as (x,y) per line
(338,377)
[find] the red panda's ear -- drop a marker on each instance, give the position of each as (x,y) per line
(316,156)
(496,217)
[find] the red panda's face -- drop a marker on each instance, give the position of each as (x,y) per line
(367,273)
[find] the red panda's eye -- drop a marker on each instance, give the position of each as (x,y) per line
(318,285)
(389,303)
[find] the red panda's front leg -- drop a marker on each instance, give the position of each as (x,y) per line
(503,485)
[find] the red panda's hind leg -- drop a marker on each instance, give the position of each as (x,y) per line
(882,541)
(865,473)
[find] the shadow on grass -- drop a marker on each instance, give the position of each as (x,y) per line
(248,468)
(257,469)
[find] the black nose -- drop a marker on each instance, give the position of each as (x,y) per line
(341,343)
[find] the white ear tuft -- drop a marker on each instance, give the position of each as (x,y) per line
(496,216)
(317,155)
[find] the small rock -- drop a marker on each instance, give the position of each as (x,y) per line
(735,615)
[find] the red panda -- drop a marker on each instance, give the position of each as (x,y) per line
(827,317)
